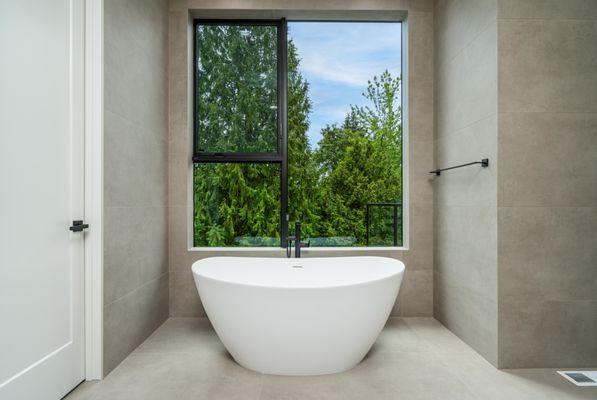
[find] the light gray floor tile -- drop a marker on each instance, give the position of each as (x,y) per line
(183,335)
(84,391)
(397,337)
(547,384)
(413,359)
(438,337)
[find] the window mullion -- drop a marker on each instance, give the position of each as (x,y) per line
(270,158)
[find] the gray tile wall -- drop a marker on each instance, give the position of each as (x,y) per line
(516,251)
(136,279)
(465,276)
(547,186)
(416,296)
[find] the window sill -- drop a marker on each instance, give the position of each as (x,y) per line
(352,249)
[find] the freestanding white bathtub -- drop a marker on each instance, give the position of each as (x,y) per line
(298,316)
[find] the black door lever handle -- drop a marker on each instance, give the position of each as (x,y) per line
(78,226)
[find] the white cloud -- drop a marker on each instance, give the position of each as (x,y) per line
(347,53)
(355,74)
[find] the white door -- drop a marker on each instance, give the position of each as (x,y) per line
(41,193)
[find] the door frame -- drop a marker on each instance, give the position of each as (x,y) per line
(94,134)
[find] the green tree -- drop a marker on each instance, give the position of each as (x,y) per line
(236,88)
(361,161)
(235,201)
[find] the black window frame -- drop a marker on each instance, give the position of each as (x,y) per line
(279,157)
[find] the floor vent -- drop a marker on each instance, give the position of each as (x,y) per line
(580,378)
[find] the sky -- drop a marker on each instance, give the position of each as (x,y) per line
(337,59)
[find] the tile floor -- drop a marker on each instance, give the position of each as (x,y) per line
(414,358)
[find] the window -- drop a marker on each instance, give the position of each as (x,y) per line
(297,121)
(236,89)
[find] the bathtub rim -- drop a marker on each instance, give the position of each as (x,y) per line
(400,273)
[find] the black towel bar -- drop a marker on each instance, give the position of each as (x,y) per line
(484,163)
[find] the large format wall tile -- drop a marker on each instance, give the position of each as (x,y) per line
(135,174)
(420,109)
(468,246)
(547,9)
(465,269)
(469,313)
(420,45)
(131,319)
(136,46)
(515,247)
(180,174)
(548,159)
(180,128)
(184,299)
(465,280)
(421,231)
(547,189)
(409,5)
(137,248)
(458,23)
(135,164)
(416,298)
(474,185)
(467,85)
(550,333)
(548,65)
(548,253)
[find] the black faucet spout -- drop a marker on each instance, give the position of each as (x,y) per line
(298,243)
(297,239)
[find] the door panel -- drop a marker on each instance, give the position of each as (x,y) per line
(41,178)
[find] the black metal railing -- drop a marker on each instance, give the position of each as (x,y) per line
(396,218)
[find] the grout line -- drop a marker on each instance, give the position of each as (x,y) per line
(141,127)
(137,288)
(478,206)
(546,19)
(546,206)
(151,335)
(444,64)
(139,206)
(261,386)
(548,112)
(459,131)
